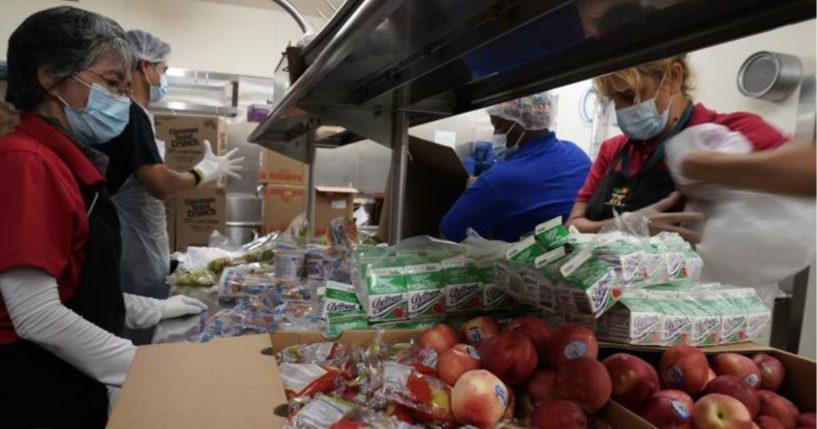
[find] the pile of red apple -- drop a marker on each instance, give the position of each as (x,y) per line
(733,391)
(549,379)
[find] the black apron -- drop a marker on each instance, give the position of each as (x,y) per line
(622,193)
(38,389)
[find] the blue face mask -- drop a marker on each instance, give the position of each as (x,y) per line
(642,121)
(104,117)
(158,92)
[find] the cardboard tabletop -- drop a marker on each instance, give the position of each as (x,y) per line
(224,383)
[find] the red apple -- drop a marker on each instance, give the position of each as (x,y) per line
(584,381)
(455,361)
(684,368)
(596,422)
(774,405)
(736,388)
(478,330)
(807,420)
(479,398)
(711,376)
(738,365)
(558,415)
(440,338)
(668,409)
(772,371)
(537,332)
(634,380)
(511,408)
(766,422)
(542,386)
(716,411)
(510,356)
(755,426)
(571,341)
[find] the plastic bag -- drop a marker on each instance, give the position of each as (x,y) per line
(749,239)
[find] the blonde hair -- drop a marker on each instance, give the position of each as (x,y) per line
(631,79)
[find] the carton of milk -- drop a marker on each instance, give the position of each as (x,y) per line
(425,290)
(636,319)
(596,280)
(494,296)
(524,252)
(384,296)
(463,289)
(551,234)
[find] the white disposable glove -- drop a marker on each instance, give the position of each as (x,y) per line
(181,305)
(214,167)
(144,312)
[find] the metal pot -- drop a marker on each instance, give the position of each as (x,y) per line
(770,75)
(245,208)
(240,233)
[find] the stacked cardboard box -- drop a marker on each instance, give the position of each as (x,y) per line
(193,215)
(284,191)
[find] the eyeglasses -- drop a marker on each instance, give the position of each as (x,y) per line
(114,85)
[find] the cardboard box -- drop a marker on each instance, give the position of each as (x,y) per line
(331,203)
(435,179)
(281,170)
(184,137)
(198,213)
(234,382)
(799,385)
(282,204)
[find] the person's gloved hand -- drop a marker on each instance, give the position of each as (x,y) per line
(661,218)
(214,167)
(180,305)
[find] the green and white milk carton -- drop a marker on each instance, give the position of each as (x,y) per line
(524,252)
(677,318)
(425,289)
(734,315)
(462,285)
(595,278)
(340,301)
(706,320)
(636,319)
(493,294)
(759,322)
(551,234)
(384,296)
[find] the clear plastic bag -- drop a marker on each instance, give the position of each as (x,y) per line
(748,239)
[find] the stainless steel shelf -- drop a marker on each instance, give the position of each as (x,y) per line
(446,57)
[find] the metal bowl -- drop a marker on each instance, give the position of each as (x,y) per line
(770,75)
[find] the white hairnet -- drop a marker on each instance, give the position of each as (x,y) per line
(534,112)
(147,47)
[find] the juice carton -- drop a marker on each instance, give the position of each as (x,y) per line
(551,234)
(425,290)
(462,285)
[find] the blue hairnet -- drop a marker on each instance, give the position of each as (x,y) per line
(147,47)
(534,112)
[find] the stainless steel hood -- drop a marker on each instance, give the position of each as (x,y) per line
(453,56)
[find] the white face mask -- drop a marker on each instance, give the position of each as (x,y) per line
(642,121)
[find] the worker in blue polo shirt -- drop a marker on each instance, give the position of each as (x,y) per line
(537,181)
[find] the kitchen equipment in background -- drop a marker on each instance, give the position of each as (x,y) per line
(770,75)
(243,218)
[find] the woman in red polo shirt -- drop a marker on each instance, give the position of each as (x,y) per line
(652,104)
(62,306)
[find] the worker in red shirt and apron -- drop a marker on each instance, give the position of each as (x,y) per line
(653,103)
(62,308)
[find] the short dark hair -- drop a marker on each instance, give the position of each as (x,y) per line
(64,40)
